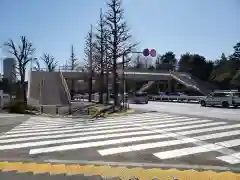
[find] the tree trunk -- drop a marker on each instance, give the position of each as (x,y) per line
(72,89)
(101,85)
(115,83)
(107,93)
(90,89)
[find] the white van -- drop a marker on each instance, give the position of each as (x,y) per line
(222,98)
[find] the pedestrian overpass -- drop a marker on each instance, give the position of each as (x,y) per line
(51,88)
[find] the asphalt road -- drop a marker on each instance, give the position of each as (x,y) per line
(147,138)
(190,109)
(9,121)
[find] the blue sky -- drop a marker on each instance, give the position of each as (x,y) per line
(207,27)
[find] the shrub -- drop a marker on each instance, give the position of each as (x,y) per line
(20,107)
(17,107)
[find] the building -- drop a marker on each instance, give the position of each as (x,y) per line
(9,69)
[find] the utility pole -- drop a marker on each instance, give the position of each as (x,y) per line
(90,66)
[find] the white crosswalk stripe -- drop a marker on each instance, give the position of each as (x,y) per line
(10,115)
(115,135)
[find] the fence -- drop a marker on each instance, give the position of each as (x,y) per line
(175,98)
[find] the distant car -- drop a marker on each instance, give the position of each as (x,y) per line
(162,93)
(176,94)
(140,98)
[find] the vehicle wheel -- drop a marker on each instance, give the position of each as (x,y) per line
(225,104)
(146,102)
(203,103)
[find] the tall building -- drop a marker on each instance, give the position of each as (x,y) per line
(9,69)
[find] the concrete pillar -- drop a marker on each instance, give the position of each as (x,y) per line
(169,85)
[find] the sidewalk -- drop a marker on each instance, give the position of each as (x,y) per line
(33,171)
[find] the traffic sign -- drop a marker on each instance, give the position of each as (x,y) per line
(146,52)
(153,53)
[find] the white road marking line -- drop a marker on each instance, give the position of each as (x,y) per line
(10,115)
(180,124)
(231,159)
(103,123)
(49,122)
(74,130)
(112,119)
(70,135)
(191,127)
(145,146)
(60,141)
(55,121)
(65,128)
(152,123)
(64,135)
(93,144)
(148,118)
(198,149)
(85,126)
(210,129)
(108,142)
(61,131)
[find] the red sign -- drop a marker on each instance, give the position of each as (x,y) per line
(153,53)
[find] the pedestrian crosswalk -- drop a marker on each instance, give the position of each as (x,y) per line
(6,115)
(165,136)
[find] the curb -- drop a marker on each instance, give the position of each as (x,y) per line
(105,115)
(130,111)
(117,171)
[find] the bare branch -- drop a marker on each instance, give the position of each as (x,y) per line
(37,67)
(50,62)
(22,53)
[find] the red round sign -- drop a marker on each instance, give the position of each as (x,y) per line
(153,52)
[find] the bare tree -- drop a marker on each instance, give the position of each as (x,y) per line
(23,54)
(119,39)
(37,67)
(73,66)
(88,51)
(73,61)
(99,46)
(107,63)
(50,62)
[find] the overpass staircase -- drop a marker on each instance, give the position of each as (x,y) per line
(192,82)
(145,86)
(187,80)
(48,88)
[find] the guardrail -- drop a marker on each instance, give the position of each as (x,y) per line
(190,99)
(175,98)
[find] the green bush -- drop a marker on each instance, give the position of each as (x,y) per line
(20,108)
(17,107)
